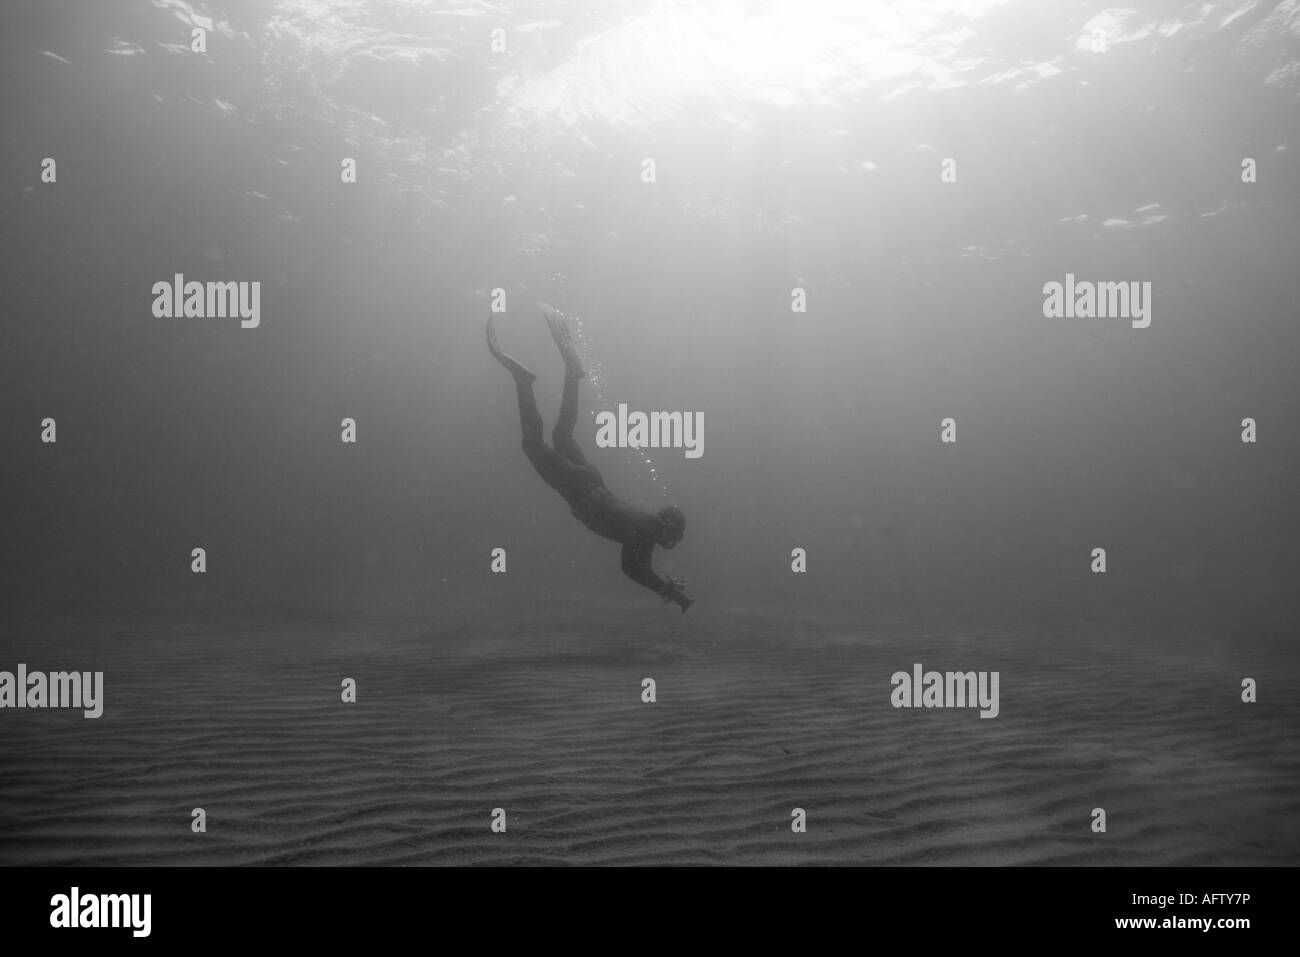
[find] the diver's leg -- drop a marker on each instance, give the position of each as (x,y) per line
(571,479)
(530,419)
(562,435)
(568,477)
(554,468)
(566,468)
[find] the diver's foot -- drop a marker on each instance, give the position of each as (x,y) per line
(517,368)
(564,342)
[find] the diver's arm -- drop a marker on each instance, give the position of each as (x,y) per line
(636,565)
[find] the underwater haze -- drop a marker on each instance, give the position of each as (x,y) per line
(825,229)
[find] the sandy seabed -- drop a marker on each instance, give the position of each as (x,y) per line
(542,716)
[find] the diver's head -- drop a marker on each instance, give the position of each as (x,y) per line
(672,525)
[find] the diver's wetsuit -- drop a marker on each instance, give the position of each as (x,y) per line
(565,469)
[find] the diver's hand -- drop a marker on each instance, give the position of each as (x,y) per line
(673,591)
(671,588)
